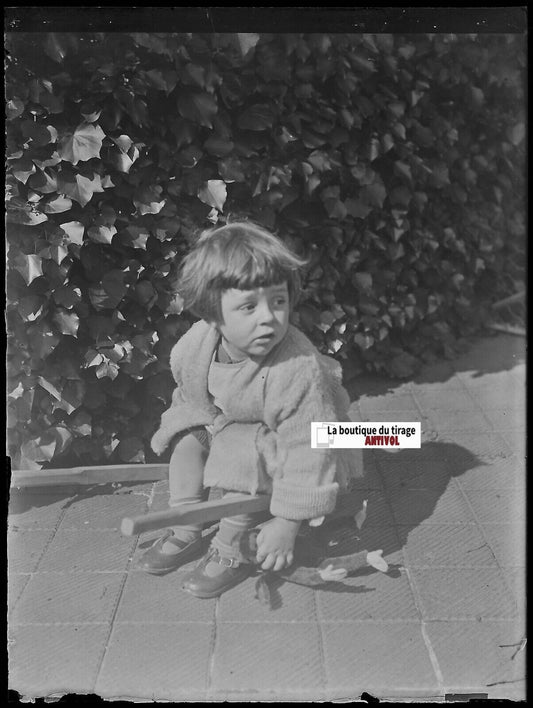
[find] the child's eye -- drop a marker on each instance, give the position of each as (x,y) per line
(280,301)
(248,307)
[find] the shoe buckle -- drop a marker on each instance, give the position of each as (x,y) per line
(228,562)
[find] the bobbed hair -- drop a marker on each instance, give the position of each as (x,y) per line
(238,255)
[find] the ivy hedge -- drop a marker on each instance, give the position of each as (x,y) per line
(395,163)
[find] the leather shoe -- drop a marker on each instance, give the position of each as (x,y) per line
(199,584)
(158,563)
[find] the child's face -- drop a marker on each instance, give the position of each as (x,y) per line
(254,321)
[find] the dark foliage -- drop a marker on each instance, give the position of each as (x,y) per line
(394,163)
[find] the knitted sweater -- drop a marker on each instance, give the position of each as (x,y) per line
(262,443)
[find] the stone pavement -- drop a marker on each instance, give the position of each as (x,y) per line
(448,617)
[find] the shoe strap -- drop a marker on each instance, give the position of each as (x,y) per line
(227,562)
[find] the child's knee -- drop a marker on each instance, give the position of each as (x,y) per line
(188,452)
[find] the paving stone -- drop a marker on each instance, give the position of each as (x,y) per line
(68,597)
(394,416)
(156,662)
(463,593)
(388,402)
(289,603)
(151,598)
(371,596)
(414,469)
(432,506)
(267,695)
(74,550)
(486,447)
(507,418)
(25,548)
(159,502)
(267,658)
(372,478)
(494,391)
(508,542)
(383,659)
(16,582)
(50,660)
(498,505)
(103,511)
(385,538)
(516,440)
(378,510)
(516,580)
(445,399)
(472,656)
(454,420)
(458,545)
(504,473)
(28,510)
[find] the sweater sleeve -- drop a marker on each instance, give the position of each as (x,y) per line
(304,487)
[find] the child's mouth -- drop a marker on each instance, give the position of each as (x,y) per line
(264,339)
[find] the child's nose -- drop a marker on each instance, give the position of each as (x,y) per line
(266,313)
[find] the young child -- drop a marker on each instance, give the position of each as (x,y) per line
(248,386)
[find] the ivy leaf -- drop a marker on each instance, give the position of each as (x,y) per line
(43,182)
(136,236)
(247,41)
(82,188)
(39,450)
(363,280)
(374,194)
(14,108)
(82,424)
(131,450)
(357,208)
(148,200)
(55,48)
(39,134)
(161,81)
(231,170)
(67,322)
(257,117)
(107,369)
(74,230)
(123,161)
(517,133)
(197,106)
(30,267)
(102,234)
(67,296)
(220,147)
(23,169)
(84,144)
(402,168)
(213,193)
(24,214)
(58,205)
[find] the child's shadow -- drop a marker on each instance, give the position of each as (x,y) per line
(413,482)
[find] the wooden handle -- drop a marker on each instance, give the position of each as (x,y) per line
(195,513)
(89,475)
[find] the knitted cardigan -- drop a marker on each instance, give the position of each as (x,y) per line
(262,443)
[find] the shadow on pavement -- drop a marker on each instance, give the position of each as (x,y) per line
(483,355)
(24,499)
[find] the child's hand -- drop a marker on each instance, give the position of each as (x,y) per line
(275,543)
